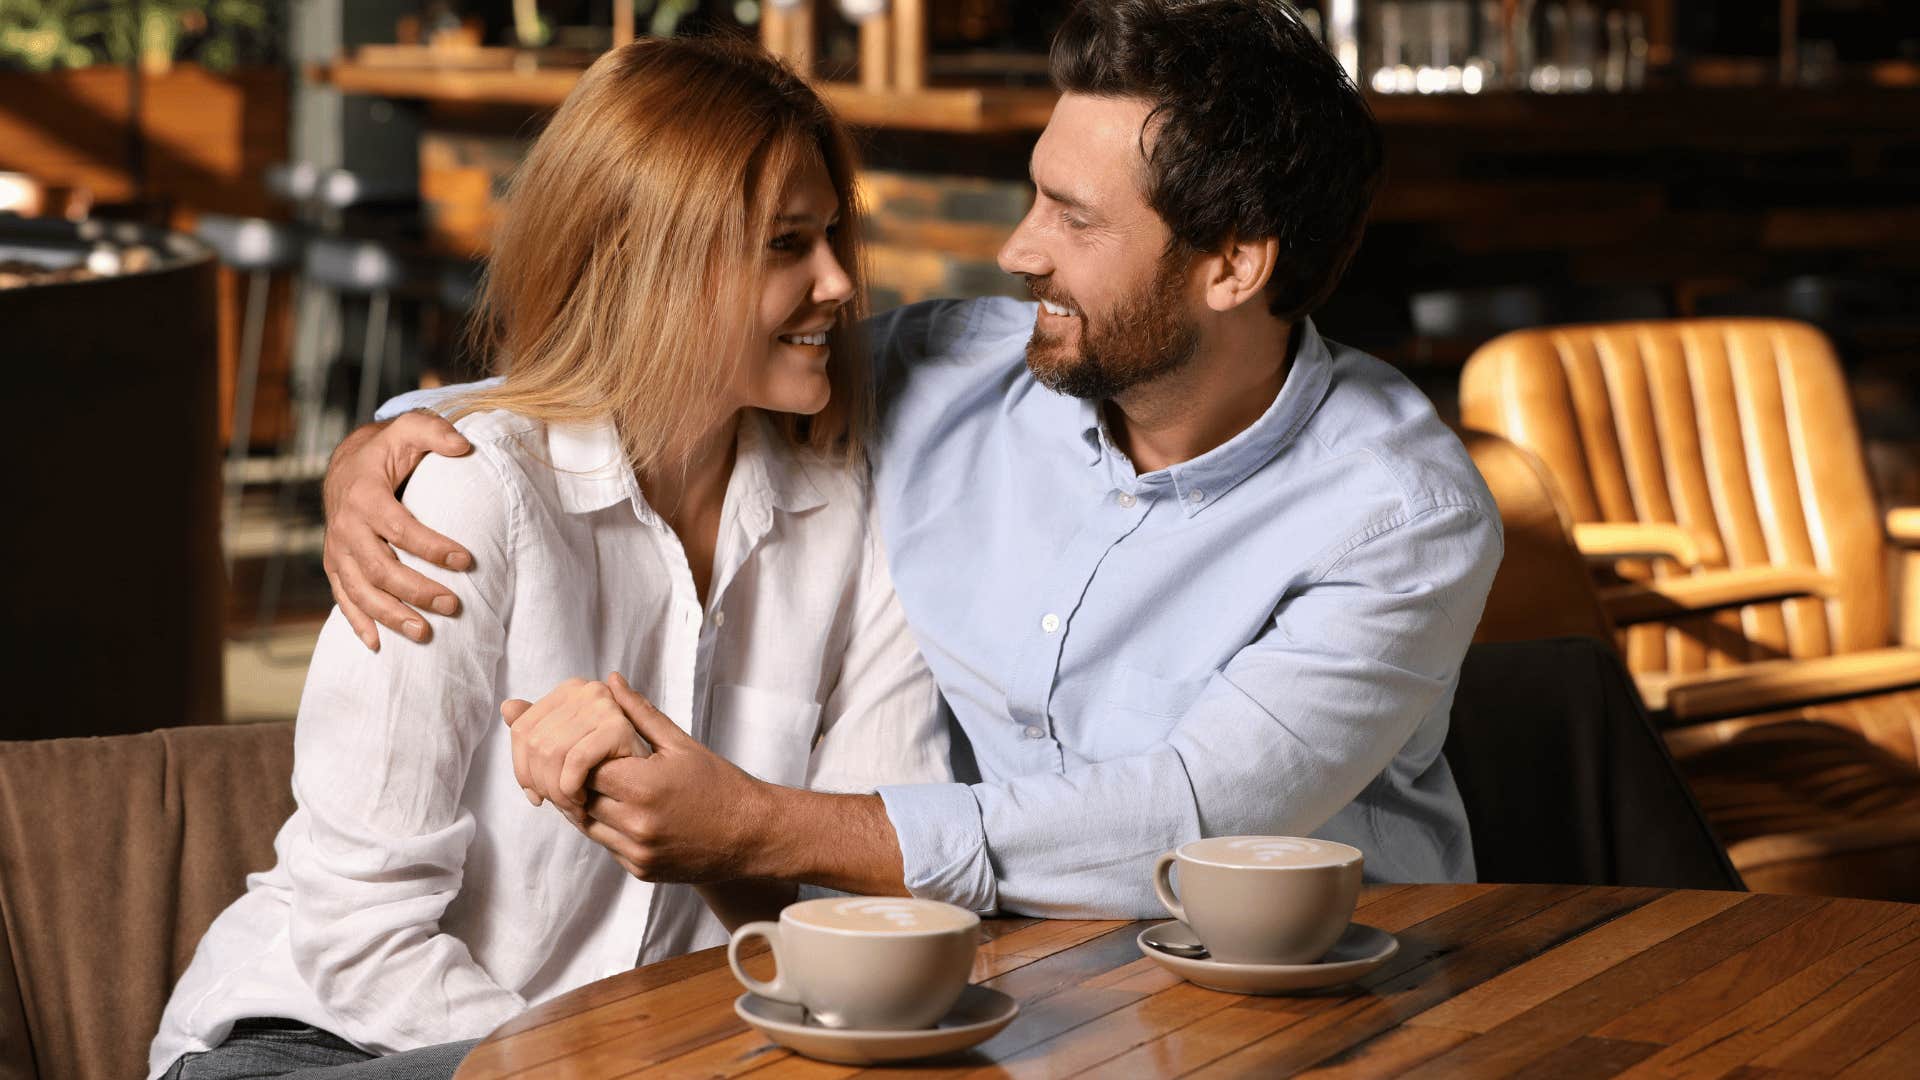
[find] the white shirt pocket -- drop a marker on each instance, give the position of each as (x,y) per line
(769,735)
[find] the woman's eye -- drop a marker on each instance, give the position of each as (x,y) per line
(789,241)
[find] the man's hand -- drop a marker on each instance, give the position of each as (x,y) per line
(560,739)
(683,813)
(364,518)
(687,814)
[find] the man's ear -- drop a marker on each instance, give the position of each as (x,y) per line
(1239,271)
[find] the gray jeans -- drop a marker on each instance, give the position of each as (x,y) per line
(258,1048)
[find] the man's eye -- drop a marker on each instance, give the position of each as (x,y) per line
(1071,222)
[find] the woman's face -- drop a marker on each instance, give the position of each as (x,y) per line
(785,368)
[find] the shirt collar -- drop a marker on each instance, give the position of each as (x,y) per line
(767,469)
(590,467)
(1199,483)
(591,470)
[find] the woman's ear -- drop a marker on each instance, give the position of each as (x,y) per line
(1239,271)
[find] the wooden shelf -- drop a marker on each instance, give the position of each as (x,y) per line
(1684,113)
(956,109)
(538,87)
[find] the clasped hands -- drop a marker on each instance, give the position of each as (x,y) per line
(665,806)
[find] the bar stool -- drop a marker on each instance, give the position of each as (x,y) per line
(370,270)
(332,268)
(259,249)
(338,266)
(295,183)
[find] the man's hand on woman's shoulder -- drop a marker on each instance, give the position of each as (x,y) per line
(365,522)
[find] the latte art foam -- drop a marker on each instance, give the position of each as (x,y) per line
(1269,851)
(1279,850)
(881,915)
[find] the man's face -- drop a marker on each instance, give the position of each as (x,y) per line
(1114,309)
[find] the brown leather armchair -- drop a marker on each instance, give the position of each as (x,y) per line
(1715,480)
(1821,799)
(115,855)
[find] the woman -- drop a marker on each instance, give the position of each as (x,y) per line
(665,485)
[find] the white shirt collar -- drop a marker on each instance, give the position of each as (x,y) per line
(591,473)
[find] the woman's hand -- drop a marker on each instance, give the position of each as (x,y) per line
(365,522)
(559,740)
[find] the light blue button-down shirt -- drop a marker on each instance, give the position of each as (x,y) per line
(1265,639)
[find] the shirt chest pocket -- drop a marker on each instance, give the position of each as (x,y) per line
(1138,708)
(769,735)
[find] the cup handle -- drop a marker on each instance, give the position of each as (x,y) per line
(1163,885)
(778,989)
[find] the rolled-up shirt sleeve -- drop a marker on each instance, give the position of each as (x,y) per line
(1284,736)
(383,745)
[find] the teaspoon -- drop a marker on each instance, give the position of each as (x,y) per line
(1183,949)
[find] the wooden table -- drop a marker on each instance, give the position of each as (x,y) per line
(1491,980)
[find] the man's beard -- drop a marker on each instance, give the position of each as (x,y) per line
(1145,337)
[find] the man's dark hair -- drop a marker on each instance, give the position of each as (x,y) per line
(1256,130)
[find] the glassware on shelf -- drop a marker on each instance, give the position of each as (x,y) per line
(1471,46)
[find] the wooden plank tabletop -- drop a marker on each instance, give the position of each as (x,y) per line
(1491,980)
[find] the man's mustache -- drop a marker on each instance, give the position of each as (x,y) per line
(1042,288)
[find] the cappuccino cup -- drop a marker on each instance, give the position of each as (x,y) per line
(866,962)
(1262,899)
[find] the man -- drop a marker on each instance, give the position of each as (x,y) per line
(1180,567)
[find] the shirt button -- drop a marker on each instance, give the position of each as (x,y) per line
(1127,500)
(1050,623)
(1035,732)
(719,619)
(1197,496)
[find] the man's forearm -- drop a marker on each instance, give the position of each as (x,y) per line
(842,842)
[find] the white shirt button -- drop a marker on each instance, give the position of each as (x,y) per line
(1197,496)
(719,619)
(1035,732)
(1127,500)
(1050,622)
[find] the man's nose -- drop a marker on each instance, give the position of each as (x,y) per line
(1023,253)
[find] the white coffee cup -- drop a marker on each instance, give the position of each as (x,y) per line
(868,962)
(1262,899)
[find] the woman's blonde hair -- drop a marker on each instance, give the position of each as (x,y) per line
(626,274)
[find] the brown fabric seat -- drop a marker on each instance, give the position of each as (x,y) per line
(115,855)
(1821,798)
(1730,445)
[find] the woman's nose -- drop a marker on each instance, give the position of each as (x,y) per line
(831,285)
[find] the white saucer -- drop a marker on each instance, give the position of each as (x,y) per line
(1359,950)
(978,1016)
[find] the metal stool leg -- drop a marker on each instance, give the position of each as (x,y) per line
(373,356)
(321,307)
(247,379)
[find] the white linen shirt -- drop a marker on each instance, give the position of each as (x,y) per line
(418,898)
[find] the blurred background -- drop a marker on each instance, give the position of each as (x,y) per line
(228,228)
